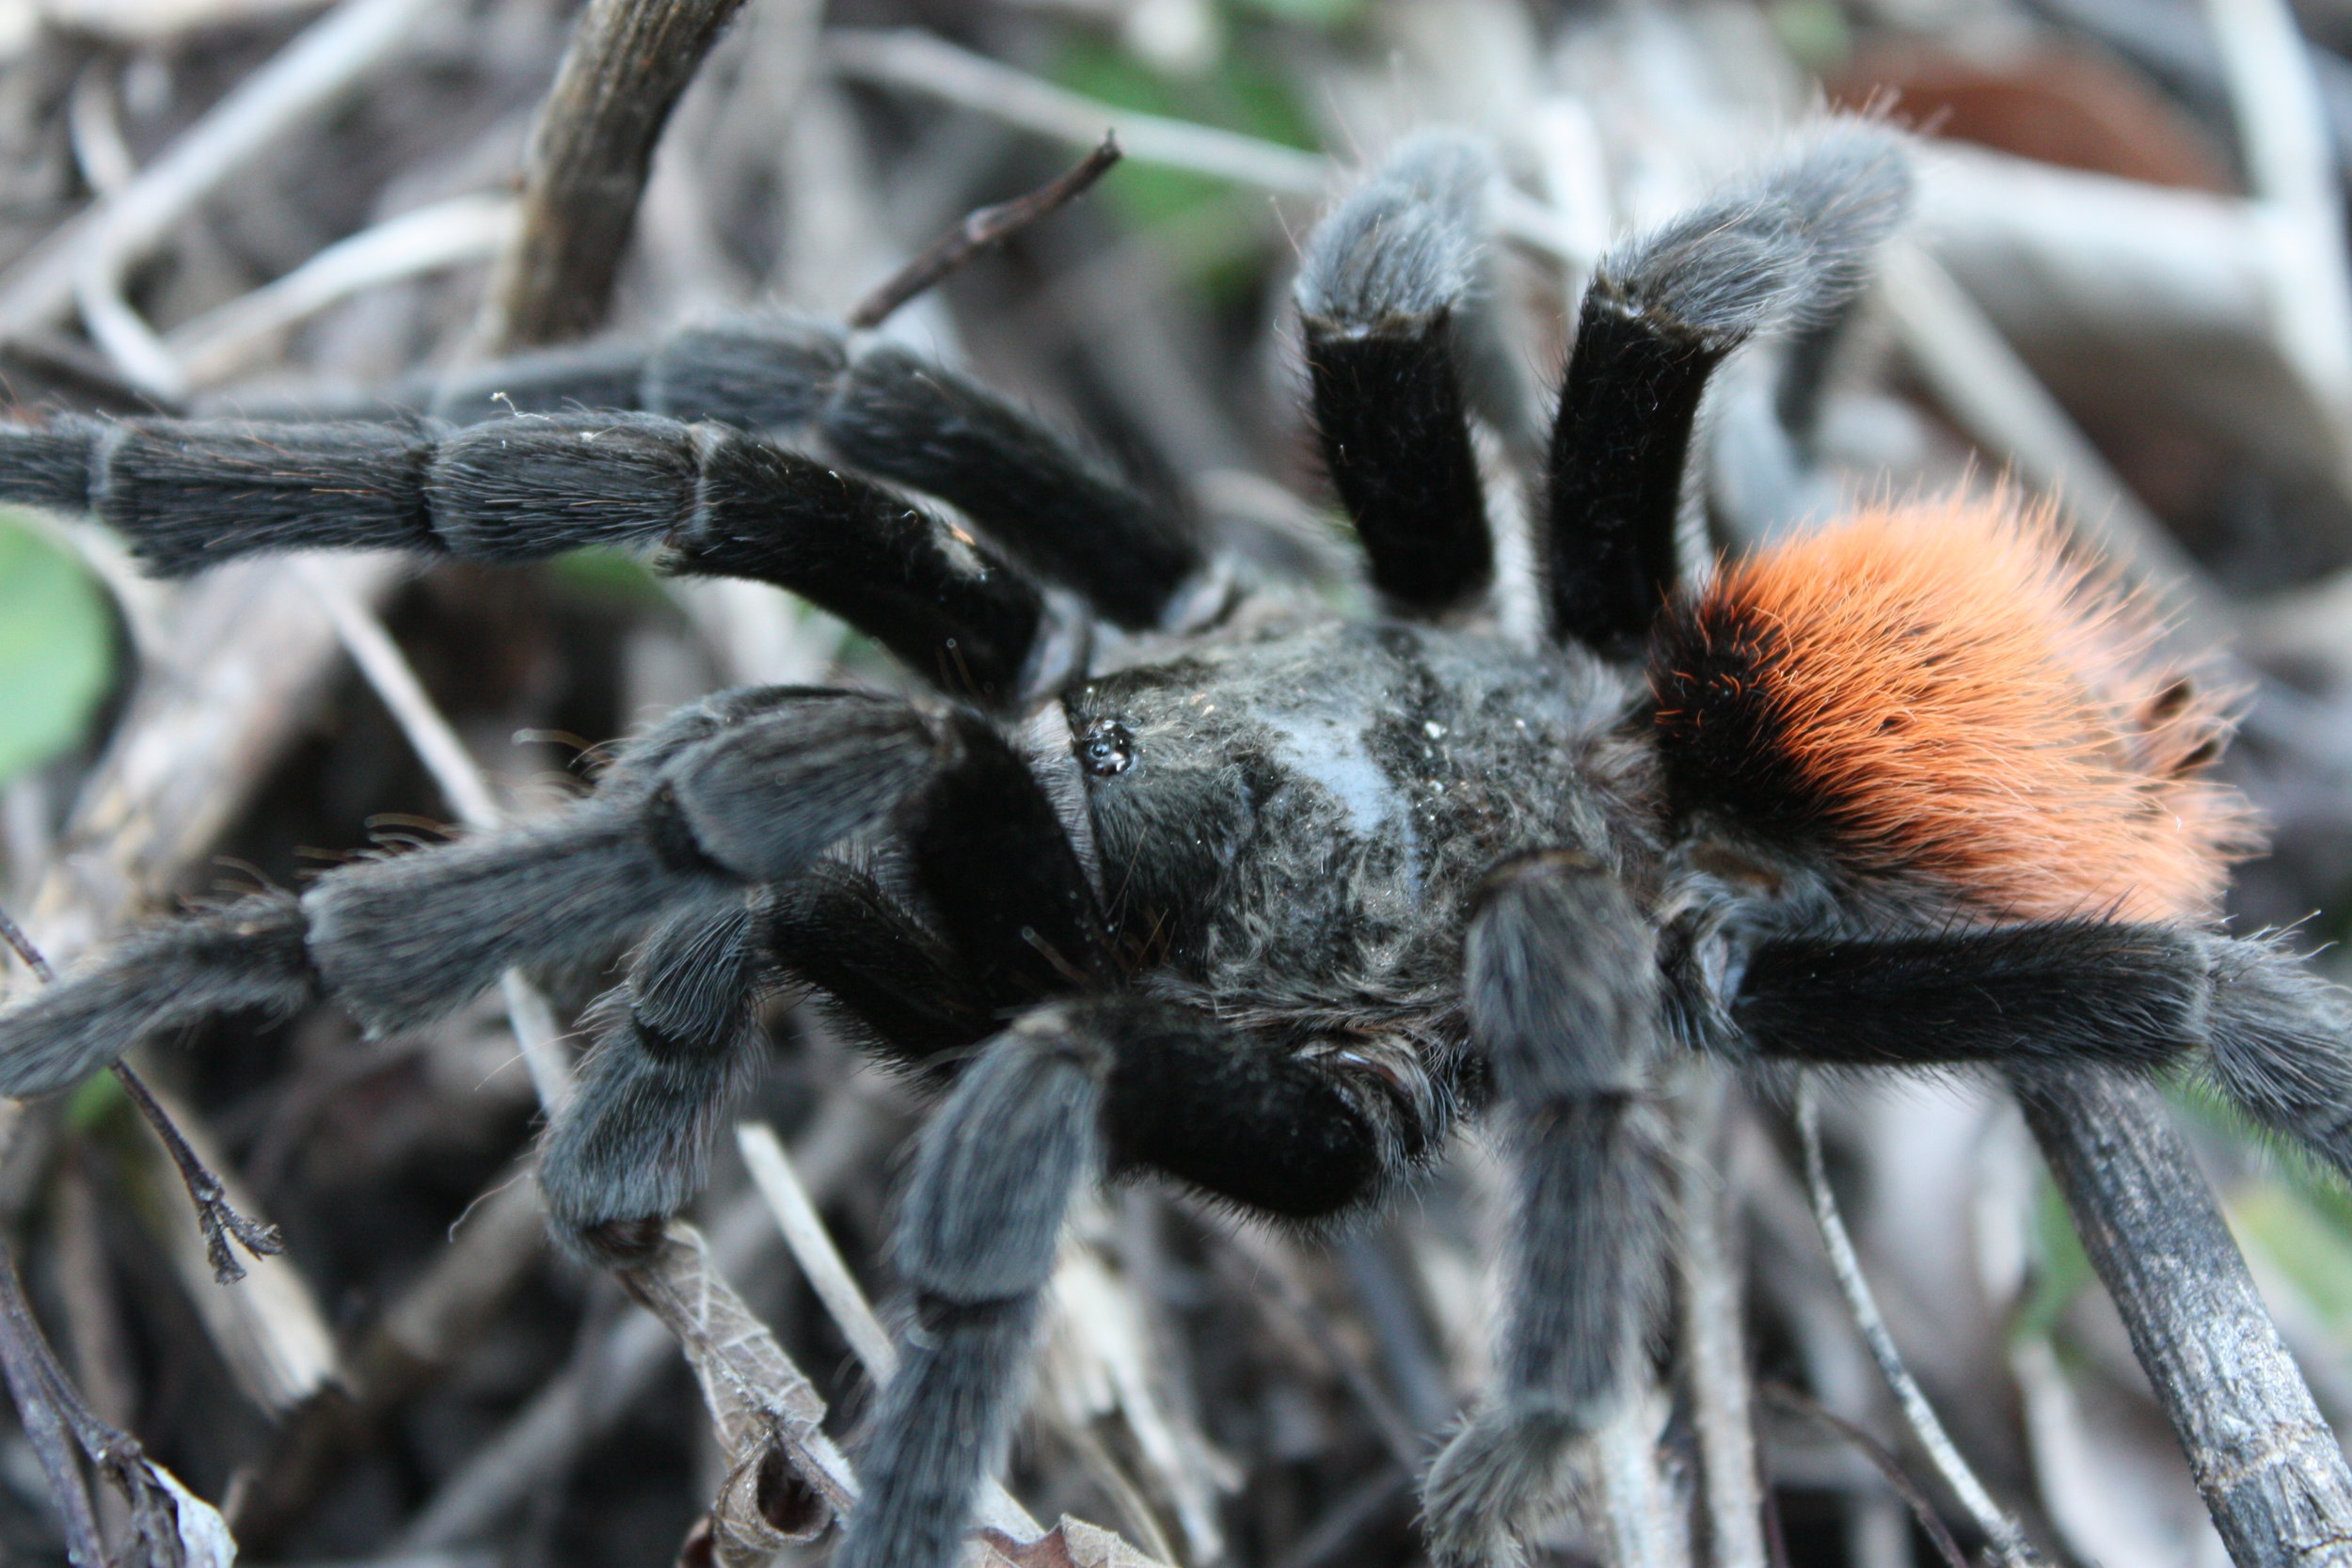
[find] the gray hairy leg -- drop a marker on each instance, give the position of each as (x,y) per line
(246,958)
(2278,1040)
(700,809)
(897,415)
(1130,555)
(1393,293)
(745,787)
(1133,557)
(673,1046)
(1115,1082)
(976,1243)
(1562,983)
(1662,312)
(188,495)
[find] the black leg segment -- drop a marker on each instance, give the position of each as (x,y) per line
(905,419)
(1661,314)
(2056,997)
(1390,282)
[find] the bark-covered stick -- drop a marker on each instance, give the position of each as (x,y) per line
(591,149)
(2270,1470)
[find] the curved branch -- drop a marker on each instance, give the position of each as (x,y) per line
(2270,1471)
(591,149)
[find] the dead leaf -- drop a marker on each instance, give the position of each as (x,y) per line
(786,1480)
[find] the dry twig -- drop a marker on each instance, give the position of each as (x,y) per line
(2272,1476)
(218,1218)
(590,150)
(982,230)
(2007,1536)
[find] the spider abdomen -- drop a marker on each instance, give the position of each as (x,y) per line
(1935,698)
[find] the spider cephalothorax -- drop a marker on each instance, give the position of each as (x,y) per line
(1263,907)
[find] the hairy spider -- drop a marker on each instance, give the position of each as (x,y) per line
(1180,878)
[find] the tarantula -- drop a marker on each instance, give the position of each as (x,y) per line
(1174,878)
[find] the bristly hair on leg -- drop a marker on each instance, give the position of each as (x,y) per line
(2280,1043)
(674,1047)
(247,957)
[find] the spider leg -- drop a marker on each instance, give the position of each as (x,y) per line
(1564,1004)
(1391,292)
(757,372)
(2060,996)
(897,415)
(1662,312)
(1071,1089)
(674,1045)
(746,787)
(903,991)
(1000,879)
(1134,560)
(188,495)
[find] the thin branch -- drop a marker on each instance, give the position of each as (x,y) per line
(1646,1519)
(1714,1351)
(2008,1538)
(916,61)
(1270,1254)
(2268,1467)
(2290,164)
(214,1212)
(811,1245)
(590,150)
(224,340)
(218,1218)
(1879,1455)
(171,1526)
(35,1382)
(300,80)
(982,230)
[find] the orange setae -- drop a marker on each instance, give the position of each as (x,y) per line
(1935,693)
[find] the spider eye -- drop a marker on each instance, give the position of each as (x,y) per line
(1107,749)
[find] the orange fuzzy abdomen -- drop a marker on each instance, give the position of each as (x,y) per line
(1934,695)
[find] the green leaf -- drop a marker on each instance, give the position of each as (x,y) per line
(2300,1242)
(56,648)
(95,1103)
(600,573)
(2061,1268)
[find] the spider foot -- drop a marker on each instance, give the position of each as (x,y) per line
(1501,1472)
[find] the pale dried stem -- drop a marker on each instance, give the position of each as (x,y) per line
(2290,164)
(230,337)
(467,791)
(303,78)
(2006,1535)
(1714,1349)
(811,1245)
